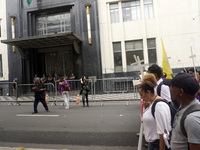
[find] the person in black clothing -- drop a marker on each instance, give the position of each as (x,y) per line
(14,87)
(39,90)
(84,91)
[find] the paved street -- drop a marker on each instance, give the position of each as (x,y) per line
(112,126)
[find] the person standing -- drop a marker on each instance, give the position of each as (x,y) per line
(84,91)
(43,79)
(64,89)
(73,84)
(65,76)
(14,87)
(39,90)
(154,127)
(34,79)
(183,88)
(49,80)
(56,81)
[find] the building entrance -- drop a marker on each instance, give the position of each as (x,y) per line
(58,60)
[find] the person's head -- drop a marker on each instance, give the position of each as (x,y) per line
(50,75)
(184,71)
(156,70)
(43,75)
(65,74)
(164,75)
(183,87)
(14,80)
(72,74)
(83,78)
(37,80)
(35,75)
(146,90)
(56,74)
(192,71)
(62,79)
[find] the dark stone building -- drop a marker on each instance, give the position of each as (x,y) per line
(51,36)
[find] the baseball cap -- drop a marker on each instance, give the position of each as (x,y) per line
(185,81)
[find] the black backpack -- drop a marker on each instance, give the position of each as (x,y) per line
(175,103)
(191,109)
(173,110)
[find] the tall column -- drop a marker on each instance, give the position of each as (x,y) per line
(88,23)
(13,30)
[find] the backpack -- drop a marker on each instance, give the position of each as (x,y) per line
(173,110)
(191,109)
(175,103)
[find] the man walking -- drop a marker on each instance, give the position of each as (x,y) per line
(186,127)
(39,90)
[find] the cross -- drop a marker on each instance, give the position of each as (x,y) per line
(179,60)
(138,63)
(193,56)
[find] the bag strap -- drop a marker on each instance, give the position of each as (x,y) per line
(159,88)
(154,105)
(191,109)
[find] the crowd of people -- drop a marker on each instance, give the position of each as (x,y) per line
(171,116)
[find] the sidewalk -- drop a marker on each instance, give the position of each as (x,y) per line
(82,148)
(21,148)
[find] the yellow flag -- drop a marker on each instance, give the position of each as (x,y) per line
(165,63)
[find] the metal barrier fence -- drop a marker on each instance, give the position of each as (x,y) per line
(25,92)
(103,89)
(8,92)
(100,90)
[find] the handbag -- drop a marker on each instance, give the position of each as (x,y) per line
(66,87)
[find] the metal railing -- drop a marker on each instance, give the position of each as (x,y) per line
(100,90)
(8,92)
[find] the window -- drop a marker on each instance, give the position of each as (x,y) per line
(117,56)
(151,45)
(53,23)
(148,9)
(133,48)
(114,12)
(1,69)
(131,10)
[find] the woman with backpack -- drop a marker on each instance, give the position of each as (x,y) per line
(159,123)
(64,89)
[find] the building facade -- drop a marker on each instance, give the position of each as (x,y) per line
(52,36)
(136,27)
(4,74)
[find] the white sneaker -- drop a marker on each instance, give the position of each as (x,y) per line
(67,107)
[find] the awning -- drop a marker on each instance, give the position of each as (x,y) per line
(46,41)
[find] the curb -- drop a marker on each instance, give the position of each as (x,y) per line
(21,148)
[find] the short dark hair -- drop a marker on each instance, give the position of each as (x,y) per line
(155,69)
(192,69)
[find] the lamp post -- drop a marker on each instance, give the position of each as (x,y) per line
(13,30)
(88,22)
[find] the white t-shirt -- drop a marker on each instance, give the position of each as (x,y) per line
(165,92)
(154,127)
